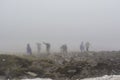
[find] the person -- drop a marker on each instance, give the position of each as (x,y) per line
(29,50)
(38,47)
(87,45)
(47,47)
(64,48)
(82,46)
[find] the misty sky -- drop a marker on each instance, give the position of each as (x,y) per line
(59,22)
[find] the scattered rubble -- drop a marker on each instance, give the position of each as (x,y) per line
(70,66)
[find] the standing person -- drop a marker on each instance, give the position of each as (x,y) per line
(38,47)
(29,50)
(64,48)
(82,46)
(87,46)
(47,47)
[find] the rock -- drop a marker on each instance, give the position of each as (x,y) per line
(38,79)
(71,71)
(32,74)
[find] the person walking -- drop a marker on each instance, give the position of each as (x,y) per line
(29,50)
(87,46)
(38,47)
(82,46)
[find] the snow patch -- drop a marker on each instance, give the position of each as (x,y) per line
(106,77)
(38,79)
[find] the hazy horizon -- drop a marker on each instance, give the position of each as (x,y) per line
(59,22)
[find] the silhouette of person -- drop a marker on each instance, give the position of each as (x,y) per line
(47,47)
(38,47)
(87,46)
(29,50)
(64,48)
(82,46)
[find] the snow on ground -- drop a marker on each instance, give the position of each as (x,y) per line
(106,77)
(38,79)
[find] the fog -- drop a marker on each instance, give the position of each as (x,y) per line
(59,22)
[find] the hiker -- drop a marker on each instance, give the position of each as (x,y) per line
(87,46)
(64,48)
(82,46)
(29,50)
(38,47)
(47,47)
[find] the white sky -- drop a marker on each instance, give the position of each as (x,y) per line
(59,22)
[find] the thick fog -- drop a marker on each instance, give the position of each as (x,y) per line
(59,22)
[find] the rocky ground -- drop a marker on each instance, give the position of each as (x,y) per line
(70,66)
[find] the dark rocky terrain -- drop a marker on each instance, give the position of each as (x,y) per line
(59,66)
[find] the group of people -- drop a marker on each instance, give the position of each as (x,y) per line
(84,47)
(29,50)
(63,48)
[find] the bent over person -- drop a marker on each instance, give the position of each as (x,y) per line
(64,48)
(47,47)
